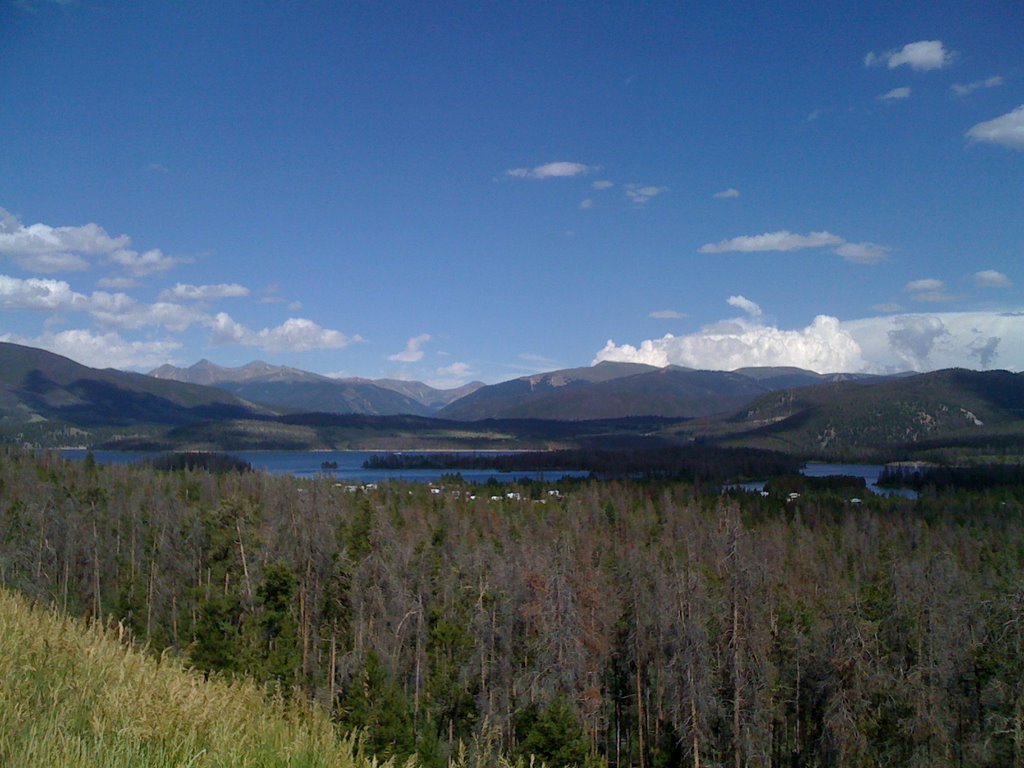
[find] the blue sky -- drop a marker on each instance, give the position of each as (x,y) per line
(484,190)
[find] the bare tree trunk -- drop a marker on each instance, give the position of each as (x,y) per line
(96,566)
(332,673)
(245,567)
(693,715)
(149,598)
(639,694)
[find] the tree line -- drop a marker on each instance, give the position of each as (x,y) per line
(620,623)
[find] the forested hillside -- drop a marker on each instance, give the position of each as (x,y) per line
(638,624)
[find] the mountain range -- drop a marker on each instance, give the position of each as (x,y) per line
(46,399)
(297,390)
(39,386)
(604,391)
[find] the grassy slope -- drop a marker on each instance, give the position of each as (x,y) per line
(72,695)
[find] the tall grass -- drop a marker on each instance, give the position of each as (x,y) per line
(73,695)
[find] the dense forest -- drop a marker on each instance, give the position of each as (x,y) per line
(693,463)
(621,622)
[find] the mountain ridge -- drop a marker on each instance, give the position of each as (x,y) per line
(296,389)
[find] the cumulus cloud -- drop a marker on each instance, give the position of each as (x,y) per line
(642,194)
(146,263)
(822,346)
(922,56)
(106,350)
(914,337)
(667,314)
(752,308)
(727,194)
(585,204)
(550,171)
(42,248)
(120,311)
(965,89)
(989,278)
(602,184)
(1007,130)
(293,335)
(40,294)
(896,94)
(782,240)
(881,344)
(111,310)
(932,341)
(185,292)
(413,351)
(984,350)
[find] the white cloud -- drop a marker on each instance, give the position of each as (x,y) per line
(726,194)
(185,292)
(1007,130)
(965,89)
(822,346)
(642,194)
(752,308)
(294,335)
(922,56)
(667,314)
(603,184)
(121,311)
(147,263)
(863,253)
(39,294)
(896,94)
(989,278)
(413,351)
(782,240)
(112,310)
(42,248)
(108,350)
(941,340)
(585,204)
(884,344)
(550,171)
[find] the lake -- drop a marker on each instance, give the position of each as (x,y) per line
(350,465)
